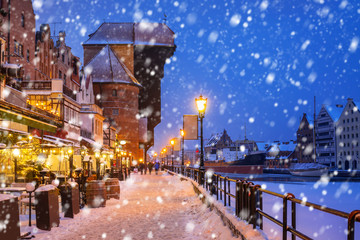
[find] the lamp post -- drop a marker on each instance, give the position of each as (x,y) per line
(172,143)
(111,156)
(16,154)
(97,158)
(70,152)
(201,107)
(182,133)
(164,150)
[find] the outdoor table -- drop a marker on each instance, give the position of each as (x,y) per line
(13,189)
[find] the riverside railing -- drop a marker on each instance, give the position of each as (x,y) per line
(248,199)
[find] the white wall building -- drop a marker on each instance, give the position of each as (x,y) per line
(325,134)
(347,136)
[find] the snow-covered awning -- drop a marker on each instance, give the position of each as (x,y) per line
(61,141)
(91,142)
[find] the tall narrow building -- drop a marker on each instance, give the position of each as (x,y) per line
(305,145)
(347,136)
(126,61)
(325,135)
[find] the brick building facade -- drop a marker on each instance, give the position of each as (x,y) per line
(18,28)
(44,53)
(126,62)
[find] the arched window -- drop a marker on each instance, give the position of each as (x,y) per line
(114,92)
(354,164)
(347,165)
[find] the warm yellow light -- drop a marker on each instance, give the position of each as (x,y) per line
(141,159)
(117,150)
(70,151)
(111,156)
(122,142)
(129,154)
(97,154)
(16,152)
(172,142)
(201,104)
(30,137)
(182,132)
(104,155)
(155,154)
(164,150)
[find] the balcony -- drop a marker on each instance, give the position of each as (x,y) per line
(36,85)
(44,112)
(68,92)
(86,134)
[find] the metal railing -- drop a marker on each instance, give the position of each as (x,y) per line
(249,202)
(36,85)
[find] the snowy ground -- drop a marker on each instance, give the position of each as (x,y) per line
(150,207)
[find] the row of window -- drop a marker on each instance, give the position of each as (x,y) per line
(71,115)
(354,143)
(348,128)
(348,136)
(352,119)
(348,153)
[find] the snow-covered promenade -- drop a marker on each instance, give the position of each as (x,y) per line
(151,207)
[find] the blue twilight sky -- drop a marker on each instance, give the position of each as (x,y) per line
(258,62)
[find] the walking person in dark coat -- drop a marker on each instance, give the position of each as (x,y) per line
(141,168)
(150,167)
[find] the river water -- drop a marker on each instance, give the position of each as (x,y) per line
(337,193)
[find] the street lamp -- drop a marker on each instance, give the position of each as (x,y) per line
(97,158)
(164,150)
(182,133)
(201,107)
(172,142)
(16,154)
(70,152)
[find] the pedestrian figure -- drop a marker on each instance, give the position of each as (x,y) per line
(157,166)
(141,168)
(150,167)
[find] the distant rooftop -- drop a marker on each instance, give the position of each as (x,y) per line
(158,34)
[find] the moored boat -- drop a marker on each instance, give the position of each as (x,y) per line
(308,169)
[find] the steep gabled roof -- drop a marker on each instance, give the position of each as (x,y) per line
(357,104)
(132,33)
(334,112)
(213,140)
(105,67)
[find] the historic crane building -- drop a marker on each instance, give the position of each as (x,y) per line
(126,62)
